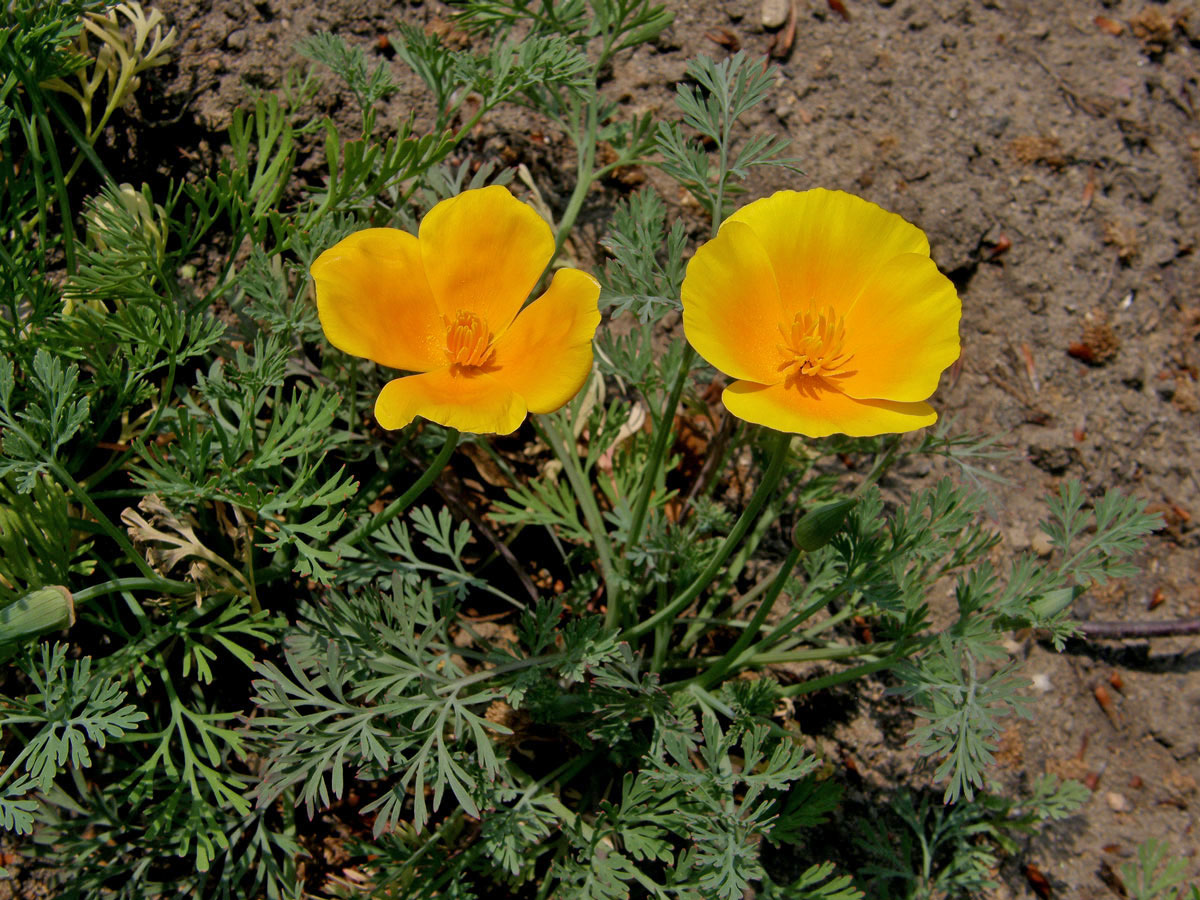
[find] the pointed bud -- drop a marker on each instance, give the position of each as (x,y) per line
(818,526)
(48,609)
(1051,603)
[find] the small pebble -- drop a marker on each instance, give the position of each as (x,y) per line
(774,13)
(1040,544)
(1041,683)
(236,39)
(1117,802)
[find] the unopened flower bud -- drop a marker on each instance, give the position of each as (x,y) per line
(47,609)
(1052,603)
(818,526)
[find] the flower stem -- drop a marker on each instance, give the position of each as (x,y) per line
(901,650)
(103,521)
(585,175)
(167,586)
(742,646)
(766,488)
(696,629)
(401,503)
(650,474)
(563,445)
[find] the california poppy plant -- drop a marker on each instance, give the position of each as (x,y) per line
(447,304)
(827,310)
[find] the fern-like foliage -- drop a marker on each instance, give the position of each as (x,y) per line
(69,715)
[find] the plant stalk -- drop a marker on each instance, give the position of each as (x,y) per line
(779,453)
(742,647)
(401,503)
(563,445)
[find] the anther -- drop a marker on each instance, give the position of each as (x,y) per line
(812,344)
(468,341)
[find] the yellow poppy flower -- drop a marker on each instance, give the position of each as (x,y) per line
(827,310)
(447,304)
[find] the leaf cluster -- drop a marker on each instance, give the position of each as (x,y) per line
(68,713)
(961,702)
(1155,875)
(646,271)
(923,849)
(723,92)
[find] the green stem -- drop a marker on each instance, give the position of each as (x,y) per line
(828,681)
(715,705)
(39,183)
(81,140)
(401,503)
(650,473)
(15,766)
(60,188)
(662,635)
(696,629)
(120,459)
(747,598)
(453,687)
(723,173)
(563,445)
(585,175)
(743,645)
(882,463)
(816,654)
(789,625)
(824,625)
(755,659)
(102,520)
(370,487)
(658,448)
(902,650)
(165,585)
(779,453)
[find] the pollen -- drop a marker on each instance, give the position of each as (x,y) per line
(468,341)
(813,345)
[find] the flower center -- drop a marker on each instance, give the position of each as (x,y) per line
(468,341)
(812,344)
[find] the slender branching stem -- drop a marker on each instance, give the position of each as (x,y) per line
(117,585)
(562,443)
(658,450)
(405,500)
(696,630)
(745,645)
(904,649)
(780,443)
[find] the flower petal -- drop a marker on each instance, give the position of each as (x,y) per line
(731,308)
(826,245)
(484,251)
(818,410)
(903,331)
(546,354)
(469,401)
(374,301)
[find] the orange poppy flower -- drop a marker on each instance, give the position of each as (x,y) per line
(827,310)
(447,304)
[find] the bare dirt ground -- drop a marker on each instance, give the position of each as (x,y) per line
(1051,150)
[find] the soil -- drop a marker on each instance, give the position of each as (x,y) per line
(1051,151)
